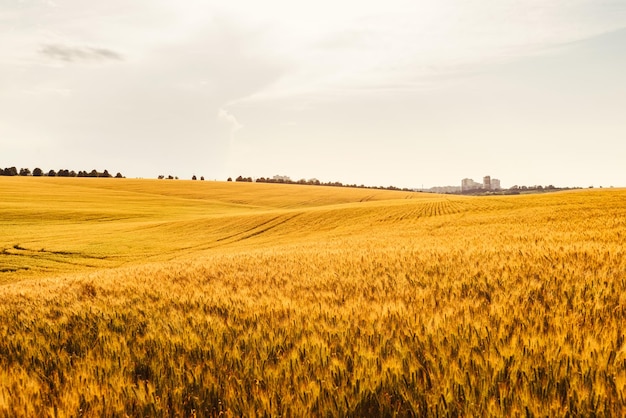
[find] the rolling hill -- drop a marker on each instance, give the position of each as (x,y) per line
(181,298)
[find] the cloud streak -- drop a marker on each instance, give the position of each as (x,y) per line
(65,53)
(230,121)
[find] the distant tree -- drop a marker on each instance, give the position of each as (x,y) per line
(93,173)
(106,174)
(52,173)
(72,173)
(119,176)
(170,177)
(63,173)
(230,179)
(12,171)
(239,178)
(82,173)
(24,172)
(161,177)
(194,177)
(37,172)
(202,178)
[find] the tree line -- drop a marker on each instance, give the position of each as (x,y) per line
(38,172)
(170,177)
(313,182)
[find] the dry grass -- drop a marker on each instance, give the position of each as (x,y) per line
(304,301)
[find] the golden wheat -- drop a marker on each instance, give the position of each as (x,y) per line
(319,305)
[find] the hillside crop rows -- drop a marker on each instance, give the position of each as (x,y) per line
(322,306)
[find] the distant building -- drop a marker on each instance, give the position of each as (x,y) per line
(469,184)
(282,179)
(487,183)
(445,189)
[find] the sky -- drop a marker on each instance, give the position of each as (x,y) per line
(417,93)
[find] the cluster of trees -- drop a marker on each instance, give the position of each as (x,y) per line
(194,177)
(240,178)
(536,189)
(313,182)
(517,190)
(38,172)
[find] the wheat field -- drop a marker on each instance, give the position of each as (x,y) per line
(124,297)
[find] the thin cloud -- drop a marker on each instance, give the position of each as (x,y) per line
(229,120)
(75,54)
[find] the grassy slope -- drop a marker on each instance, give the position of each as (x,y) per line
(52,226)
(251,299)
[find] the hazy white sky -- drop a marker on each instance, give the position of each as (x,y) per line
(404,93)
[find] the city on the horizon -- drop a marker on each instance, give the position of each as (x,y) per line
(492,185)
(469,185)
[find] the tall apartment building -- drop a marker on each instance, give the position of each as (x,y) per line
(469,184)
(487,182)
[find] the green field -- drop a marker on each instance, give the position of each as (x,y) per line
(180,298)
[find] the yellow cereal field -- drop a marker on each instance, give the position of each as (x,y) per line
(151,298)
